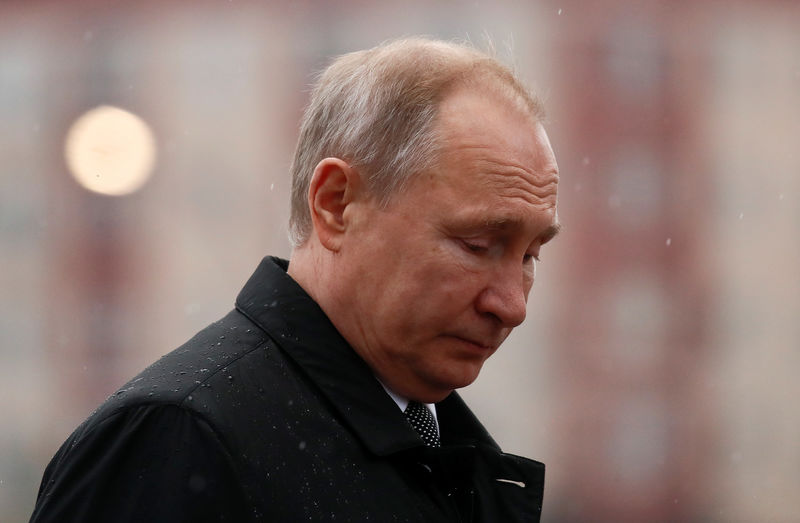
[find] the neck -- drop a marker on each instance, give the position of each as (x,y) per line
(308,269)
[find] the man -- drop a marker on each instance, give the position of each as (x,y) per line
(424,188)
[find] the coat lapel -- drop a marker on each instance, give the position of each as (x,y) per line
(299,326)
(469,461)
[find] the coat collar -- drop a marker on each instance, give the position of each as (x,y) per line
(275,302)
(278,305)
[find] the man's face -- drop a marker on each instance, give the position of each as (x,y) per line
(444,272)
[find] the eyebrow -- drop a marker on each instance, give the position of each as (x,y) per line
(506,223)
(551,232)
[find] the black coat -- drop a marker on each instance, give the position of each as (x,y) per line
(268,414)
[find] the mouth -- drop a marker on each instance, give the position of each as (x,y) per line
(475,344)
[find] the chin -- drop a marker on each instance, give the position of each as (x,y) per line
(453,381)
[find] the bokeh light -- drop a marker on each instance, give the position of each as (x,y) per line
(110,151)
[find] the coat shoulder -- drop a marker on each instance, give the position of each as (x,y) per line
(178,376)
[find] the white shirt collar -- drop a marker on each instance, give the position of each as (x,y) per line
(402,402)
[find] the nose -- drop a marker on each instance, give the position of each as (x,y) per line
(505,297)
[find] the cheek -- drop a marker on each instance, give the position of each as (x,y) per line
(449,284)
(429,285)
(423,287)
(447,266)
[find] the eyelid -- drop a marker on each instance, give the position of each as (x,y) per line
(535,252)
(478,244)
(479,241)
(475,244)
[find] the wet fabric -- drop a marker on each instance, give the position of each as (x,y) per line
(269,415)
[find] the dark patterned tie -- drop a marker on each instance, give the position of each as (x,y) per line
(421,419)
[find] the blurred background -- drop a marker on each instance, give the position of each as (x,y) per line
(144,152)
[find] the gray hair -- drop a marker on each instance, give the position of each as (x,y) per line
(376,109)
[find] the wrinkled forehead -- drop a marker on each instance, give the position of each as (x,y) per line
(488,117)
(494,154)
(470,120)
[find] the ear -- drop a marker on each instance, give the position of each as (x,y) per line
(333,187)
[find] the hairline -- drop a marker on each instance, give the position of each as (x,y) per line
(421,142)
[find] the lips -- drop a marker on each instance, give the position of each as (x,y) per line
(478,342)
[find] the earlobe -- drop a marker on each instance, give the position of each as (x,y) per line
(332,187)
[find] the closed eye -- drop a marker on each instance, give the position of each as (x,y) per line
(474,247)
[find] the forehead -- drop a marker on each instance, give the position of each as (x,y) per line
(496,156)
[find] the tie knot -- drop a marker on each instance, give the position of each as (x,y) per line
(421,419)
